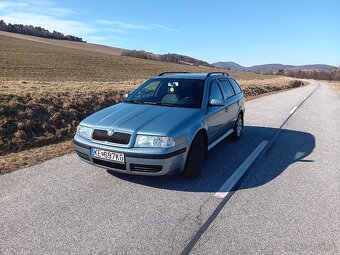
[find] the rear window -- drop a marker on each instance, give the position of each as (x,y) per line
(226,88)
(235,85)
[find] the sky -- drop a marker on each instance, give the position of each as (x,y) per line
(247,32)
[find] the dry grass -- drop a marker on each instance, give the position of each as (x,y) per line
(26,158)
(45,90)
(335,85)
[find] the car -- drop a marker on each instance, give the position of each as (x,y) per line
(166,126)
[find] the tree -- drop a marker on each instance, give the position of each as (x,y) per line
(280,72)
(36,31)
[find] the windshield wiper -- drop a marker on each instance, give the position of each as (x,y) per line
(133,101)
(153,103)
(160,103)
(168,104)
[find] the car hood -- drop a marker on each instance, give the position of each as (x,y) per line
(143,119)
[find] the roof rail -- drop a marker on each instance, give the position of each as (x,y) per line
(223,73)
(161,74)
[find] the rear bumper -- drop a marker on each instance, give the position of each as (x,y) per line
(140,161)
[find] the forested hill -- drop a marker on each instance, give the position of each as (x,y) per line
(36,31)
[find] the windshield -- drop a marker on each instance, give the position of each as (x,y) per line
(169,92)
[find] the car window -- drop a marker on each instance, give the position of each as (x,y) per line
(215,91)
(169,92)
(235,85)
(227,89)
(148,91)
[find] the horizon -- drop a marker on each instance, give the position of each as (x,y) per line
(302,33)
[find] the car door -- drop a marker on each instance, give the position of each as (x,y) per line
(217,116)
(232,102)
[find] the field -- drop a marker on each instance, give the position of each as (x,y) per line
(46,89)
(68,44)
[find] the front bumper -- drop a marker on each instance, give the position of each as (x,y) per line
(141,161)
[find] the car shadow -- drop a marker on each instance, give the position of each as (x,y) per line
(290,146)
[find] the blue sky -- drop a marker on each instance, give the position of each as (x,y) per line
(247,32)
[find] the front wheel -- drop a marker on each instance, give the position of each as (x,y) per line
(238,128)
(195,158)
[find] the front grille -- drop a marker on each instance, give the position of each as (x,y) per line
(83,155)
(119,138)
(145,168)
(109,164)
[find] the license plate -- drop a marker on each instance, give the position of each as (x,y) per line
(109,155)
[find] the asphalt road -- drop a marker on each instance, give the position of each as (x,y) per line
(287,200)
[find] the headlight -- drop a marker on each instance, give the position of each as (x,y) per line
(154,141)
(85,132)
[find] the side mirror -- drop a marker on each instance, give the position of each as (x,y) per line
(217,102)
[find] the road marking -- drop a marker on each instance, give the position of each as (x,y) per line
(293,110)
(231,182)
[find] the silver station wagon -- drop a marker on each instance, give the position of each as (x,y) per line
(165,126)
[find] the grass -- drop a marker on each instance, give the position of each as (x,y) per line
(16,160)
(335,85)
(45,90)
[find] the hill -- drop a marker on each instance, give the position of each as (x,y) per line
(272,67)
(170,57)
(37,31)
(229,65)
(68,44)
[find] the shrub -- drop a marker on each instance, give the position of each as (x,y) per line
(296,83)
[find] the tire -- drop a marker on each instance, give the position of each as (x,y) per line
(236,135)
(195,158)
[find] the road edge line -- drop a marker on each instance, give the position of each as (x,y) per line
(239,172)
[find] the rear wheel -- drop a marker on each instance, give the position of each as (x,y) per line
(195,158)
(238,128)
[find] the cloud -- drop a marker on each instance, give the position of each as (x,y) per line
(116,30)
(38,7)
(121,26)
(41,2)
(60,11)
(51,23)
(6,5)
(166,28)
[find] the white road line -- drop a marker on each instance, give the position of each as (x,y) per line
(293,110)
(230,183)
